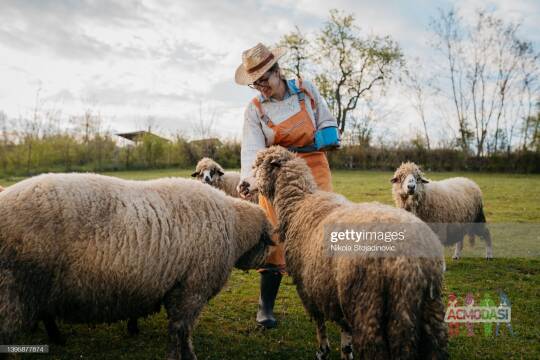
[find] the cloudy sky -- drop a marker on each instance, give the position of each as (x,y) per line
(134,59)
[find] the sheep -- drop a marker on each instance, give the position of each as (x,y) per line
(52,328)
(210,172)
(388,307)
(452,207)
(56,337)
(88,248)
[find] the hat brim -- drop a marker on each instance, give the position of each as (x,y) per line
(242,77)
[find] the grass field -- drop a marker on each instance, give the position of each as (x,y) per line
(227,330)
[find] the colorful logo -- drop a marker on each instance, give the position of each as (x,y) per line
(487,313)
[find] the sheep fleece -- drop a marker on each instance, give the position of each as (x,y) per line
(91,248)
(455,200)
(393,304)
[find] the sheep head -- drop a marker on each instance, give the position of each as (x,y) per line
(278,169)
(256,256)
(408,180)
(254,233)
(208,171)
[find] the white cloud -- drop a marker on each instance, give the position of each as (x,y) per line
(134,59)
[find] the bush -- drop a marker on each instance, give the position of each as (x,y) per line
(65,153)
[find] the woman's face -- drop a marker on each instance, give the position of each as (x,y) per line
(268,84)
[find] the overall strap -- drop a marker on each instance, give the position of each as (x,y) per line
(303,91)
(261,112)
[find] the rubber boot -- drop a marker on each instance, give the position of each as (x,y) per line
(270,281)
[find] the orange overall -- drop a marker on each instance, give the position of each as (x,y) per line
(296,131)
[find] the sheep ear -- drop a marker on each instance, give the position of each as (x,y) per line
(424,180)
(195,174)
(393,180)
(220,173)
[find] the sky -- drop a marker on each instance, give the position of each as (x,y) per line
(170,61)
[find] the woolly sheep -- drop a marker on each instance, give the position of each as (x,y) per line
(455,201)
(210,172)
(56,337)
(387,307)
(88,248)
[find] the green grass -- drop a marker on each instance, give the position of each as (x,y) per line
(227,330)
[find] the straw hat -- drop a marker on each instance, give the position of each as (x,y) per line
(255,62)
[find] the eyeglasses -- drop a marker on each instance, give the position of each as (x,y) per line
(262,81)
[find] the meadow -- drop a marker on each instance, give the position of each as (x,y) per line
(227,328)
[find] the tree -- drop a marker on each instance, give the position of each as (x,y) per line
(419,93)
(534,121)
(483,75)
(351,65)
(31,129)
(298,54)
(203,128)
(530,71)
(4,141)
(448,41)
(88,127)
(496,55)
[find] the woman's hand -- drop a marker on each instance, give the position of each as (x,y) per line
(246,188)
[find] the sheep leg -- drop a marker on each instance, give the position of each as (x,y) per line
(12,314)
(180,344)
(133,327)
(52,330)
(486,235)
(346,341)
(183,308)
(457,251)
(324,346)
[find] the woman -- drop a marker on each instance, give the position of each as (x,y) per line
(286,113)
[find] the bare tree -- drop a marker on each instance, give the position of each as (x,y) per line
(508,50)
(483,71)
(203,127)
(419,89)
(4,141)
(31,128)
(448,40)
(88,125)
(363,123)
(530,87)
(534,123)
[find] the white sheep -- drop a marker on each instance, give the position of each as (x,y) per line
(388,307)
(452,207)
(88,249)
(210,172)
